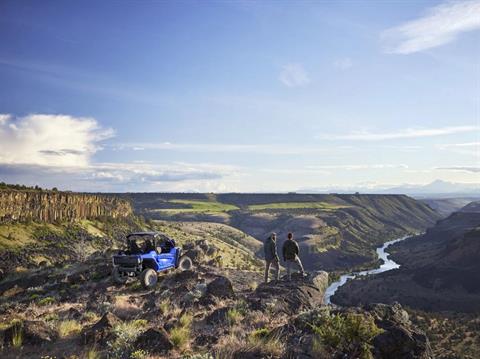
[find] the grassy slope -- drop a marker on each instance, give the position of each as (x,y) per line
(25,245)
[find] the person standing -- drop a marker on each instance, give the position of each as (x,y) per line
(290,255)
(271,256)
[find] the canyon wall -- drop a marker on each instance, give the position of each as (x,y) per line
(52,206)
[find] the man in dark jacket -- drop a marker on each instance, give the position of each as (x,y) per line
(290,255)
(271,256)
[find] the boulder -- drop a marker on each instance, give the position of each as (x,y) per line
(194,254)
(400,339)
(293,296)
(100,331)
(221,287)
(218,316)
(32,333)
(154,341)
(189,245)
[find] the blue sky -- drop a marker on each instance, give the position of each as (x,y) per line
(239,96)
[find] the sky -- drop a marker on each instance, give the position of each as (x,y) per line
(239,96)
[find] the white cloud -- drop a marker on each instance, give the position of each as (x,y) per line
(4,118)
(406,133)
(50,140)
(294,75)
(359,167)
(343,63)
(470,169)
(440,25)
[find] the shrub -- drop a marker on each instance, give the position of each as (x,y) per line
(17,338)
(68,327)
(164,306)
(259,333)
(139,354)
(125,335)
(180,336)
(186,320)
(349,333)
(233,316)
(91,317)
(46,301)
(92,353)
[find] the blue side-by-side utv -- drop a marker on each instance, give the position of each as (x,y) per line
(147,254)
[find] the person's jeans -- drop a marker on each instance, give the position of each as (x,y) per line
(296,262)
(275,266)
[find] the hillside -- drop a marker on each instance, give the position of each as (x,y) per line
(207,312)
(335,231)
(446,206)
(440,269)
(40,228)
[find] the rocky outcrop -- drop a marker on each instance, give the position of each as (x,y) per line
(100,331)
(292,296)
(154,341)
(52,206)
(399,339)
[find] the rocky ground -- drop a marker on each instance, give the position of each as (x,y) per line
(207,312)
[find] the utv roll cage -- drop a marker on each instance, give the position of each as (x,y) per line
(151,241)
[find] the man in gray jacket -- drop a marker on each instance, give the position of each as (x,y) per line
(271,256)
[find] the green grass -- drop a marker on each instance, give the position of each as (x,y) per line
(198,207)
(295,205)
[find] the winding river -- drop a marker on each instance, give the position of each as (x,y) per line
(387,265)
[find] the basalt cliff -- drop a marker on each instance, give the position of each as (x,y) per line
(54,206)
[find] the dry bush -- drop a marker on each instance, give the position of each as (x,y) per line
(68,327)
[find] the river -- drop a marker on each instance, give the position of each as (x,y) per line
(387,265)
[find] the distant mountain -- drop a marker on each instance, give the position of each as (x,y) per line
(437,188)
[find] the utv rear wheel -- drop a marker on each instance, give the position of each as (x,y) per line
(149,278)
(185,263)
(118,278)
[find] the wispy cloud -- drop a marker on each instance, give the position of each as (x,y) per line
(119,176)
(466,148)
(460,169)
(406,133)
(359,167)
(343,64)
(273,149)
(439,26)
(294,75)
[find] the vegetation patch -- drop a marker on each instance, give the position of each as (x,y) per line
(296,205)
(68,328)
(198,207)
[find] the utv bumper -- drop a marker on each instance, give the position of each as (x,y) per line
(130,264)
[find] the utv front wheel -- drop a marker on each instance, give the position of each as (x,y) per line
(118,278)
(185,263)
(149,278)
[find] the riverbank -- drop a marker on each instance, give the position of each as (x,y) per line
(382,255)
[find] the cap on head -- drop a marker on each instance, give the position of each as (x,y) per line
(290,235)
